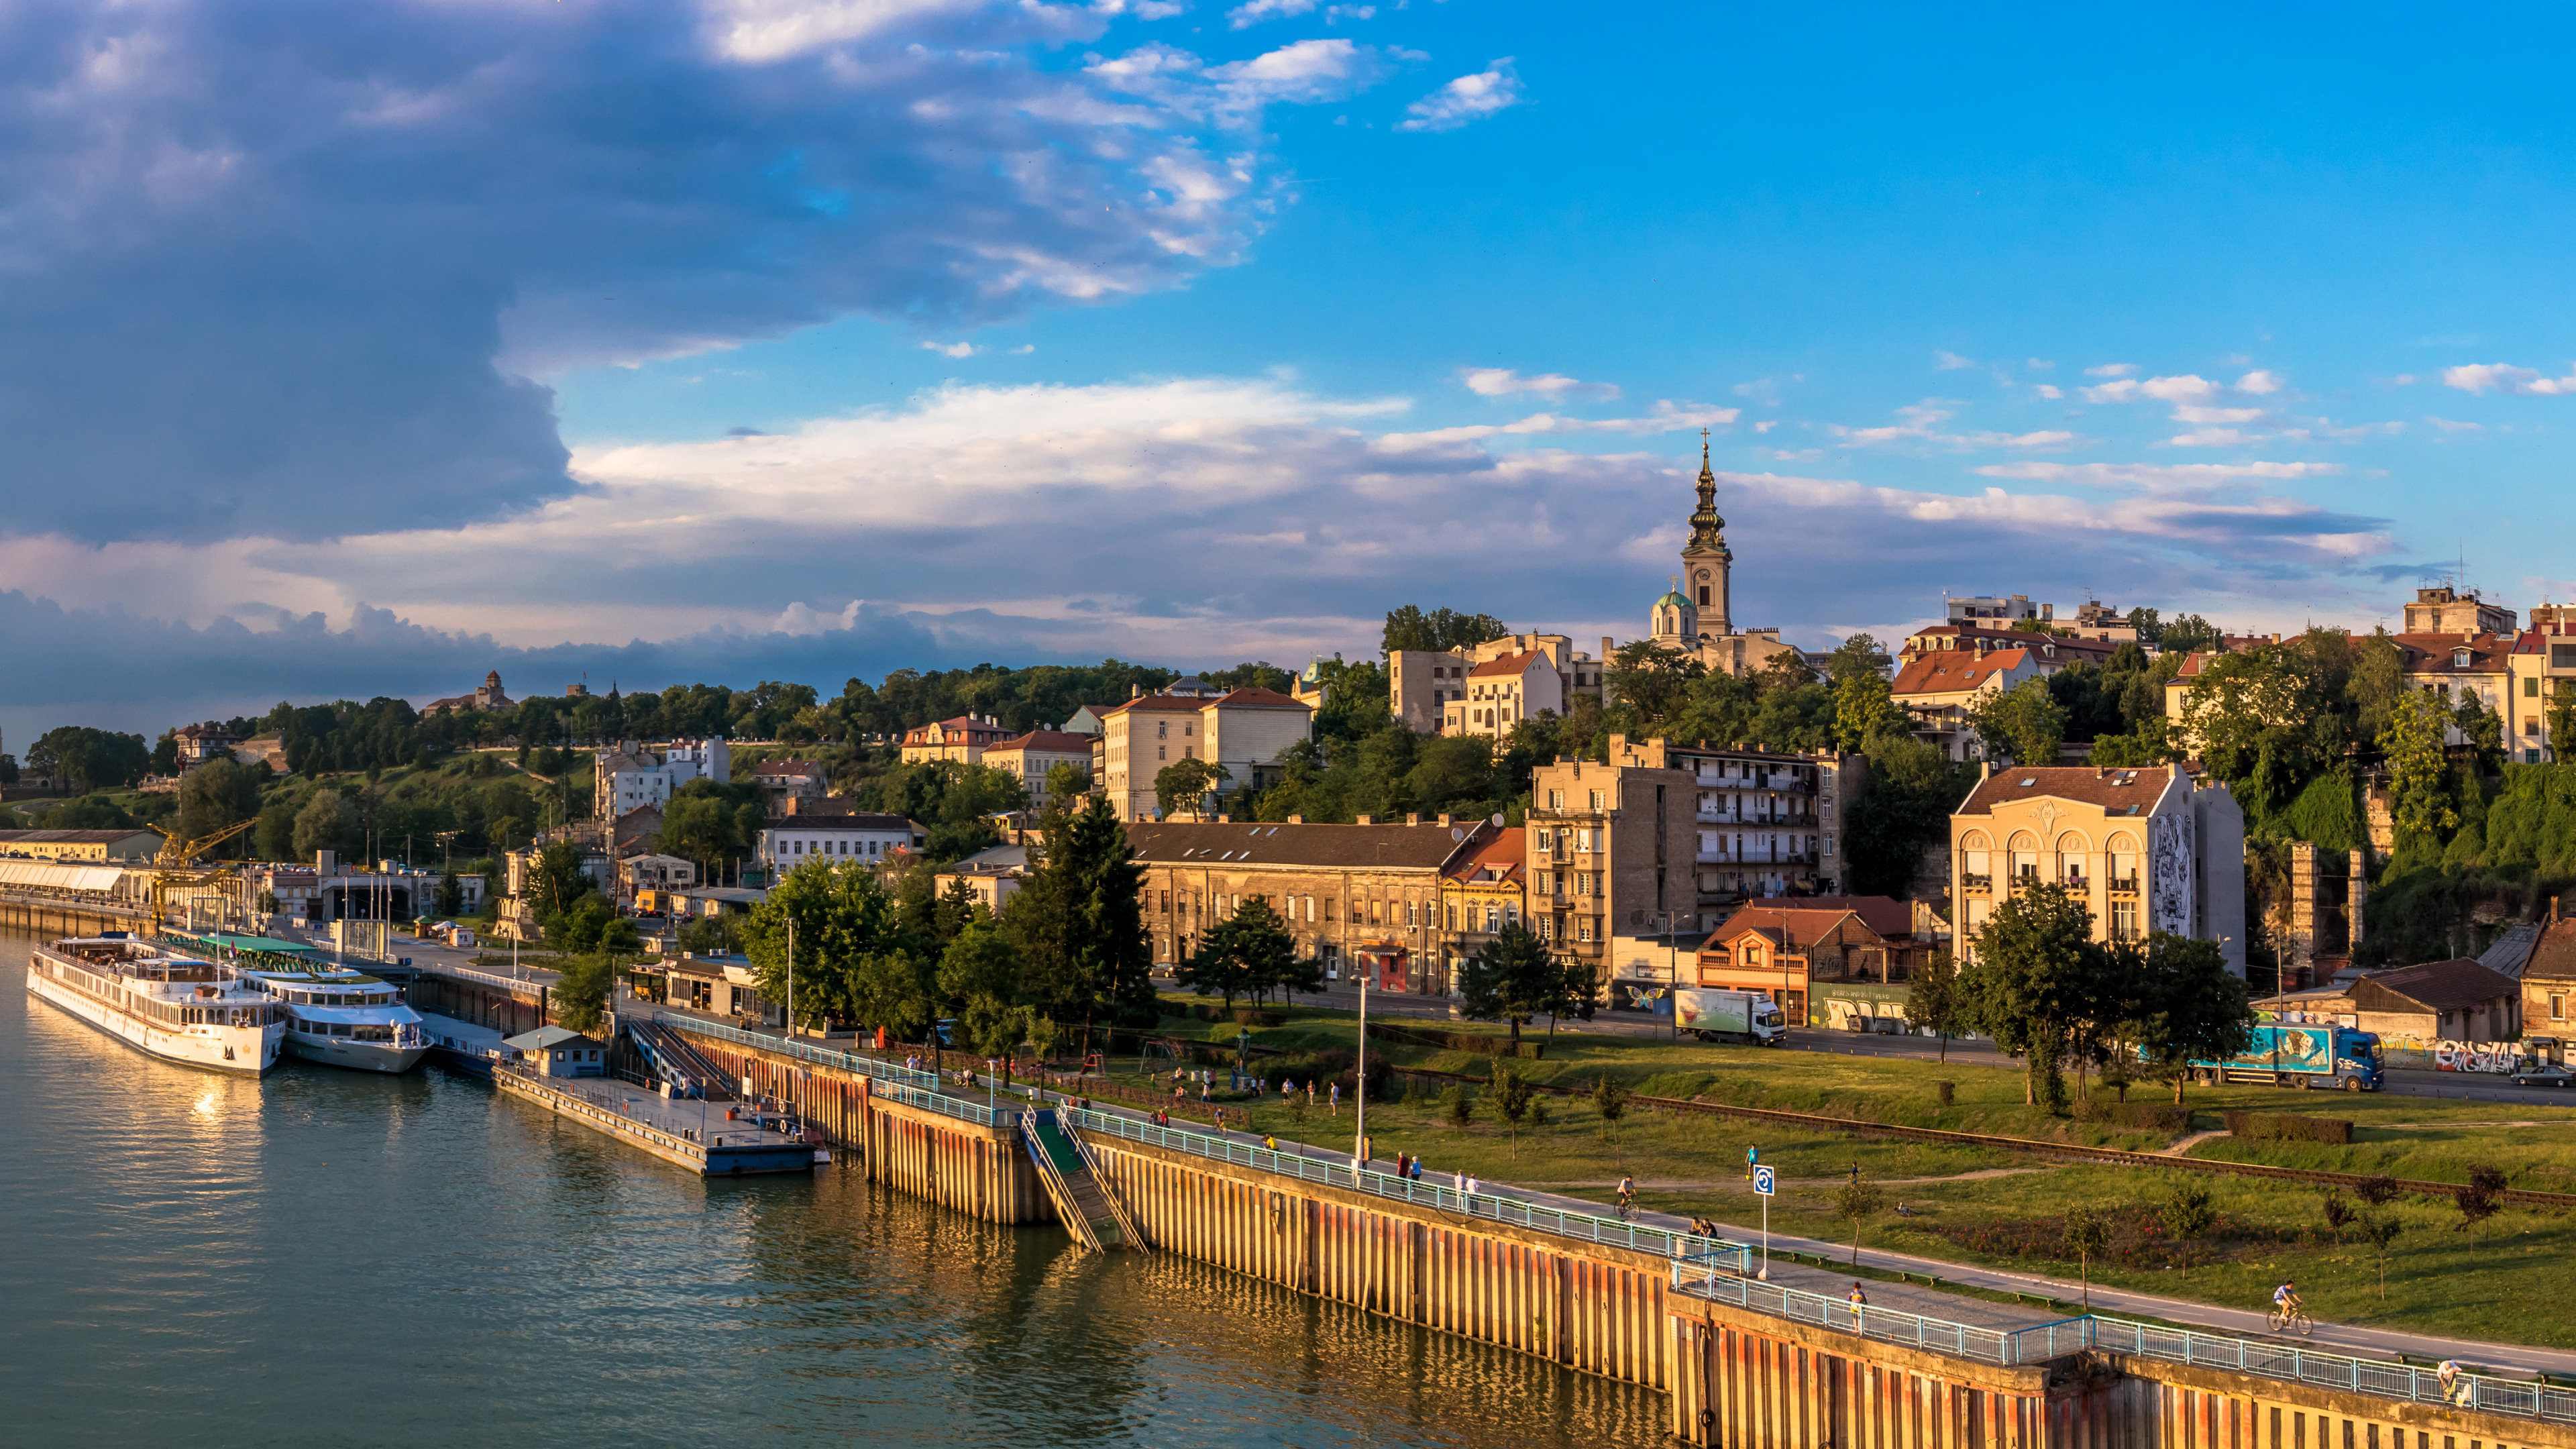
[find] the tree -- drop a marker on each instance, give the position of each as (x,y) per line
(1185,785)
(556,880)
(1080,927)
(2024,723)
(843,916)
(1067,781)
(2034,975)
(1440,629)
(1511,978)
(2419,775)
(1652,678)
(2480,1197)
(979,975)
(1248,953)
(1856,1202)
(2189,634)
(2379,1229)
(451,897)
(580,993)
(896,988)
(2087,1234)
(2191,1007)
(1864,708)
(2338,1213)
(1512,1094)
(1610,1099)
(216,795)
(1935,1002)
(2188,1213)
(1903,806)
(2562,718)
(327,821)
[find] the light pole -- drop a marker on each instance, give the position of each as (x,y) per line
(1359,1147)
(791,978)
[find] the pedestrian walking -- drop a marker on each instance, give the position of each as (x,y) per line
(1337,1099)
(1859,1305)
(1417,1169)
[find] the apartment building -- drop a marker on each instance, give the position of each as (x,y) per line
(1362,898)
(1423,685)
(962,740)
(631,775)
(2446,609)
(1611,850)
(1943,689)
(1483,892)
(2143,849)
(789,840)
(1764,823)
(1027,758)
(1244,731)
(2541,663)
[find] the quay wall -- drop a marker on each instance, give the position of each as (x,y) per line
(1733,1377)
(38,916)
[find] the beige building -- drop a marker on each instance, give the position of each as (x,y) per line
(1483,891)
(1503,692)
(1243,731)
(2049,652)
(991,876)
(1942,689)
(2542,662)
(98,845)
(1763,823)
(2142,848)
(1422,684)
(2448,610)
(962,740)
(1027,758)
(1611,851)
(1359,898)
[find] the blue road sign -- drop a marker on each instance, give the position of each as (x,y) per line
(1762,1181)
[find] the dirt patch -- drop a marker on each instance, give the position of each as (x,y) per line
(2194,1140)
(2138,1239)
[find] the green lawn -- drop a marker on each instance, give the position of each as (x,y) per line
(1995,1207)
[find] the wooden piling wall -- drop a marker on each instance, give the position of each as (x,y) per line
(1593,1308)
(61,918)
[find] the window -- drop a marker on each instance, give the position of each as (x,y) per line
(1596,799)
(2531,724)
(2531,688)
(2557,1008)
(2124,918)
(1547,928)
(1162,727)
(1556,799)
(1159,751)
(2562,656)
(1583,929)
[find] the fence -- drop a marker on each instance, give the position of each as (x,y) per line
(1610,1232)
(888,1081)
(1702,1277)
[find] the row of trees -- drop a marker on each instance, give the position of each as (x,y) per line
(2047,992)
(1071,953)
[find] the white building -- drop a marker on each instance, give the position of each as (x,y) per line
(630,776)
(790,840)
(1244,731)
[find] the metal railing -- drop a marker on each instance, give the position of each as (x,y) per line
(1585,1227)
(888,1081)
(1719,1281)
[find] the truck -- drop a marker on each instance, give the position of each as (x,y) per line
(2303,1055)
(1736,1016)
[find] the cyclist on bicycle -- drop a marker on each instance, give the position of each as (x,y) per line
(1627,1194)
(2285,1300)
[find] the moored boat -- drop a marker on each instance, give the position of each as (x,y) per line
(171,1004)
(344,1018)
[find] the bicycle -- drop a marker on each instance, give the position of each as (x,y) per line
(1626,1209)
(2292,1319)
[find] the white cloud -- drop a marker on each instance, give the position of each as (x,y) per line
(1503,382)
(1468,98)
(1922,425)
(2191,414)
(2214,438)
(2159,477)
(1260,10)
(951,349)
(2112,369)
(2048,391)
(1303,73)
(2259,382)
(2501,377)
(1950,361)
(2448,426)
(1664,417)
(758,32)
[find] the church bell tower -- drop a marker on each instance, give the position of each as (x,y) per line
(1705,559)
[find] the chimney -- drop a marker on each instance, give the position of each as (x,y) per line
(1296,819)
(1446,821)
(1135,691)
(2553,910)
(1364,820)
(1413,819)
(1605,649)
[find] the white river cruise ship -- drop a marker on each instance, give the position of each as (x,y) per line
(344,1018)
(174,1005)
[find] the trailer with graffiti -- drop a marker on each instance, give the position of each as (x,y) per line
(2305,1056)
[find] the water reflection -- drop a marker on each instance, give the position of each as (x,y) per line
(333,1257)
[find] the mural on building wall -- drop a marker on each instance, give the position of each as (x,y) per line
(2169,854)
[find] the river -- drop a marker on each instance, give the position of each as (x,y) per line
(331,1258)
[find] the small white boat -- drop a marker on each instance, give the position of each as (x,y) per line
(344,1018)
(172,1004)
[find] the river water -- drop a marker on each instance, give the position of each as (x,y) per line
(331,1258)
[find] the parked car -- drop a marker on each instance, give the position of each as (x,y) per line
(2547,1074)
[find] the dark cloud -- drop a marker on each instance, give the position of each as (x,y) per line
(281,267)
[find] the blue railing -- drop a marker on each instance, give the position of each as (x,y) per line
(888,1081)
(1609,1232)
(1702,1278)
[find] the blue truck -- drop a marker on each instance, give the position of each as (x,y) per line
(2303,1055)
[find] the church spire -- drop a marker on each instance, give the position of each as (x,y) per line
(1707,529)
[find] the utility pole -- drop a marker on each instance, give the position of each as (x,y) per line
(1359,1148)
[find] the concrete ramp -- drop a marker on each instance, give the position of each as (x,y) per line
(1088,1205)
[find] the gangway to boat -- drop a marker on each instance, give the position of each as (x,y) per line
(676,1062)
(1087,1202)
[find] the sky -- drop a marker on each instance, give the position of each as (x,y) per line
(349,351)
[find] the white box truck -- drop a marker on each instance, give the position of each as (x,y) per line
(1737,1016)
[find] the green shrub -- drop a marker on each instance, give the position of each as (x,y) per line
(2283,1127)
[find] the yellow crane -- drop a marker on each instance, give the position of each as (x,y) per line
(175,868)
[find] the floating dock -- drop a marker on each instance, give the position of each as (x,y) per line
(707,1139)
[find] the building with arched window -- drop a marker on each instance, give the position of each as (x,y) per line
(2143,849)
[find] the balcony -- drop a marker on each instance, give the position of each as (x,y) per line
(1977,884)
(2126,885)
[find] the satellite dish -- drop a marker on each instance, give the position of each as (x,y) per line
(1457,834)
(1498,819)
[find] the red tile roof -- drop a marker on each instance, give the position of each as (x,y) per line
(1770,920)
(1047,741)
(1508,849)
(2129,792)
(1950,671)
(1507,666)
(1884,914)
(2434,653)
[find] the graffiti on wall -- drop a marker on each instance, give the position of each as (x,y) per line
(2498,1057)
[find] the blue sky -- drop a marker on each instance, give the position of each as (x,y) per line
(358,352)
